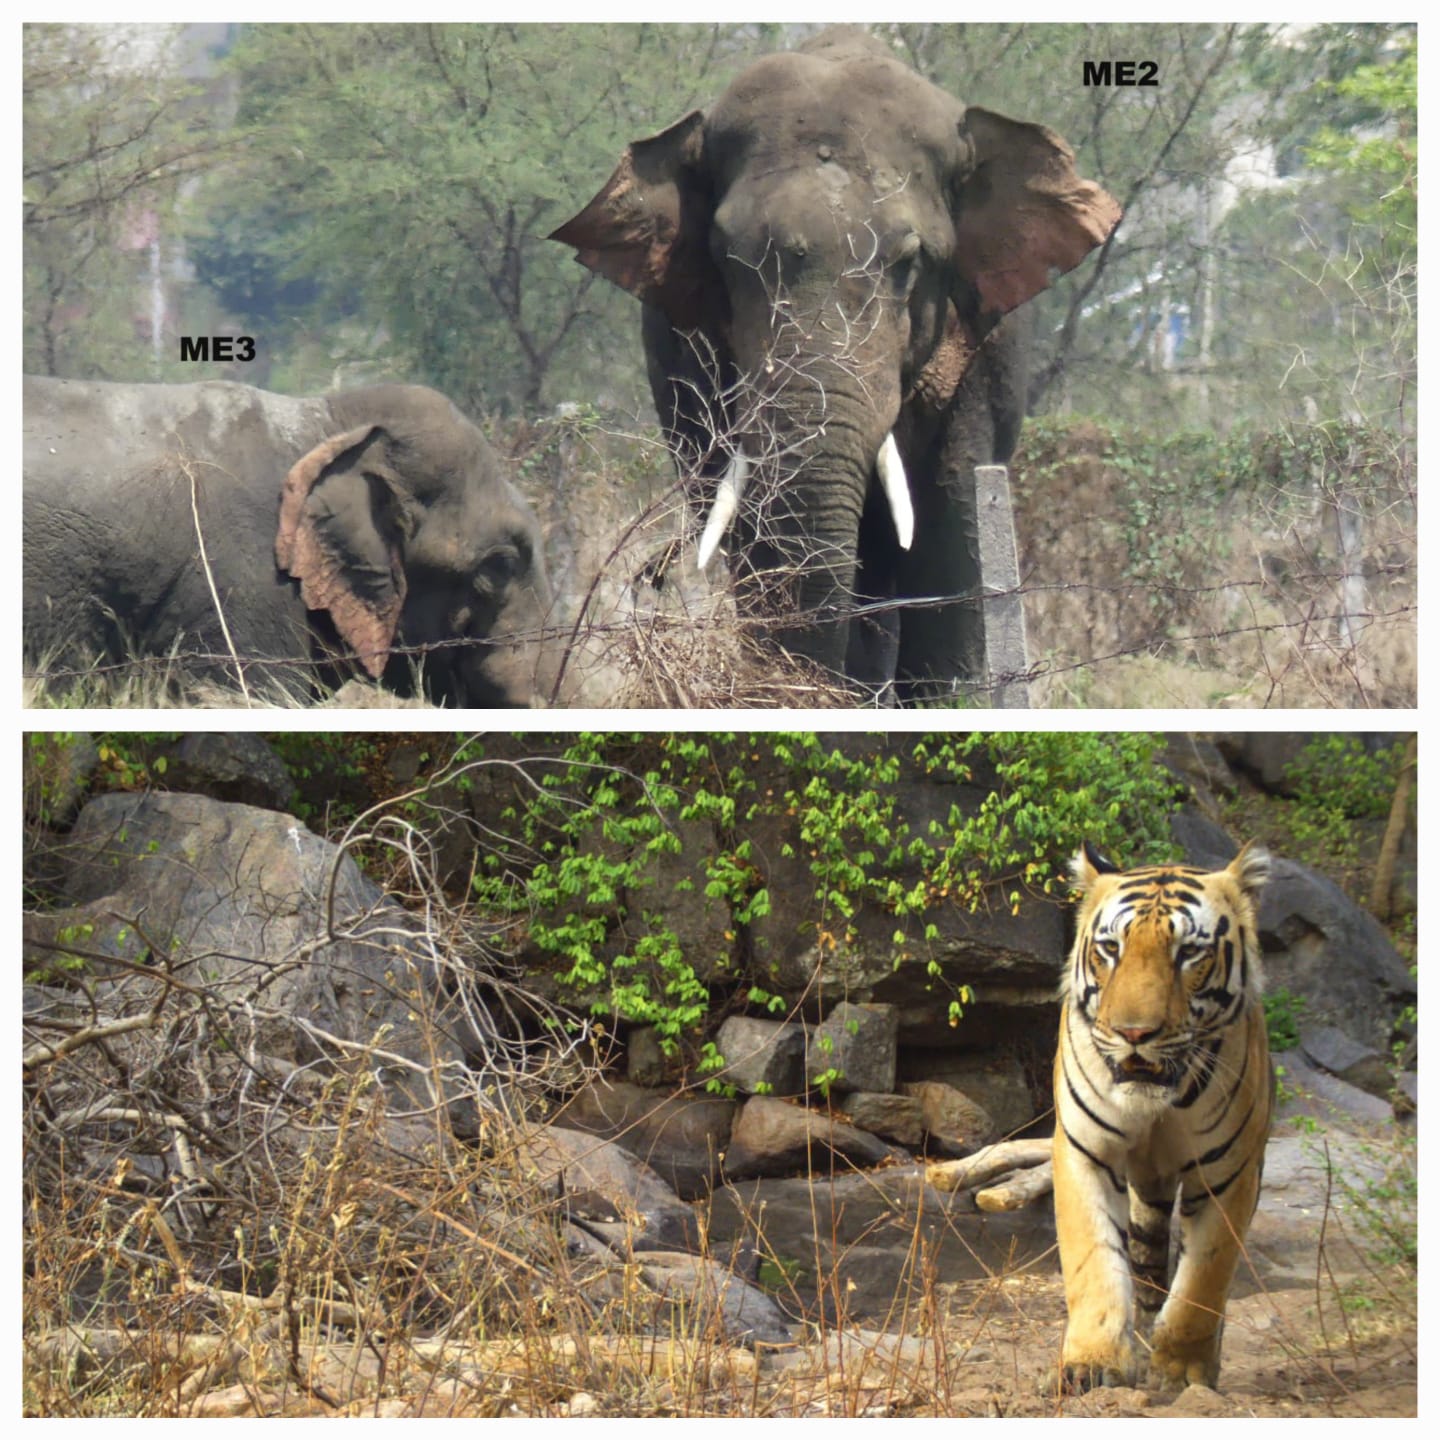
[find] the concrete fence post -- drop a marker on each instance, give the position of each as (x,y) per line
(1006,658)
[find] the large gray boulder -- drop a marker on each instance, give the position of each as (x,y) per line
(608,1192)
(681,1137)
(695,1287)
(1323,947)
(305,961)
(877,1242)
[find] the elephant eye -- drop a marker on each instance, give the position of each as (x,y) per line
(499,567)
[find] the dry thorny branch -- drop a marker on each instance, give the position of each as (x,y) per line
(204,1156)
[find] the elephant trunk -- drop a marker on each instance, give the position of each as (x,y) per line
(801,566)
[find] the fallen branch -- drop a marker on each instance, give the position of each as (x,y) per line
(986,1164)
(1017,1189)
(43,1053)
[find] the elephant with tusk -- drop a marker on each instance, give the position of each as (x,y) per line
(826,257)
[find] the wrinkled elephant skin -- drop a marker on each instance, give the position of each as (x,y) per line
(825,257)
(354,532)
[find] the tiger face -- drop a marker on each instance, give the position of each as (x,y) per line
(1163,1088)
(1160,963)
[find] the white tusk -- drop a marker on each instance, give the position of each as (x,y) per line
(897,489)
(725,508)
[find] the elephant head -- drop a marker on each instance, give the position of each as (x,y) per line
(401,527)
(821,256)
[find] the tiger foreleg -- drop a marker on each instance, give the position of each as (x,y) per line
(1091,1205)
(1185,1346)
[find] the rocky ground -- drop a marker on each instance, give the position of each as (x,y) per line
(1285,1354)
(1318,1324)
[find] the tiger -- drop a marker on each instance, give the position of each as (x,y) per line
(1163,1082)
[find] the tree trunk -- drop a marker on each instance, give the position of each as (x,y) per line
(1384,881)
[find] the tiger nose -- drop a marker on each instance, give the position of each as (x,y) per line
(1136,1034)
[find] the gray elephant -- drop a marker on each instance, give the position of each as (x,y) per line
(825,257)
(366,529)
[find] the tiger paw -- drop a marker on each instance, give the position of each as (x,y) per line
(1078,1375)
(1176,1363)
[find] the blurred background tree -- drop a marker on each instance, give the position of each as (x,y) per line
(115,127)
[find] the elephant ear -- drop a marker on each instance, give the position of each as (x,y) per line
(647,229)
(338,539)
(1022,212)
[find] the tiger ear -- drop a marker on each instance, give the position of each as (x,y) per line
(1250,869)
(1089,865)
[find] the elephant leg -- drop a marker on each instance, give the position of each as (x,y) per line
(942,639)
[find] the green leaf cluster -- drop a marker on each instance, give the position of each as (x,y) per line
(1339,780)
(1383,156)
(606,821)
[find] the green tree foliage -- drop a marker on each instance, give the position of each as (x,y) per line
(1339,780)
(1255,177)
(1320,270)
(397,182)
(111,132)
(1382,156)
(412,172)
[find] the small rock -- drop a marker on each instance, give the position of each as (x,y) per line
(233,1400)
(894,1117)
(855,1044)
(393,1407)
(1200,1401)
(762,1057)
(956,1124)
(1110,1400)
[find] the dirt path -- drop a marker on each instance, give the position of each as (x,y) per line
(1284,1355)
